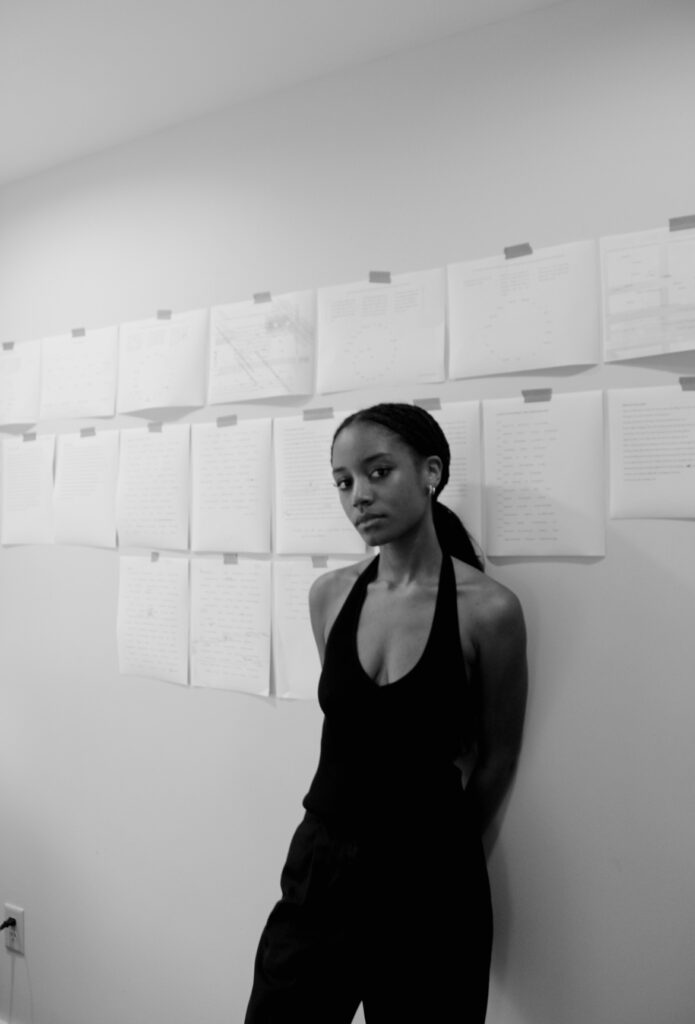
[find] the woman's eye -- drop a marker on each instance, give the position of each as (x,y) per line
(380,472)
(341,484)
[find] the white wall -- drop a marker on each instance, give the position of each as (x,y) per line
(143,826)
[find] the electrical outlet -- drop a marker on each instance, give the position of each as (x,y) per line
(14,936)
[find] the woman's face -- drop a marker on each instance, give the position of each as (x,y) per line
(383,485)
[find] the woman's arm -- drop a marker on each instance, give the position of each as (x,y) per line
(502,678)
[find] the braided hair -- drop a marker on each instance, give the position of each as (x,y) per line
(423,435)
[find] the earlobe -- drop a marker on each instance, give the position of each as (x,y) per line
(434,474)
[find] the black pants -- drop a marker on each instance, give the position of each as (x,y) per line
(402,924)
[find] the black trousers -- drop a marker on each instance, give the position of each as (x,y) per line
(401,923)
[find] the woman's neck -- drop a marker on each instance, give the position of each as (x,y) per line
(412,558)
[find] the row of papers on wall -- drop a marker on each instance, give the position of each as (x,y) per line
(629,296)
(527,478)
(213,622)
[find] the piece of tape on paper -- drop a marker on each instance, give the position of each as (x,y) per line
(512,251)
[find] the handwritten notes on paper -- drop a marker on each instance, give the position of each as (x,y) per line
(78,374)
(296,662)
(20,383)
(529,312)
(153,488)
(262,349)
(231,480)
(152,625)
(371,334)
(463,494)
(230,625)
(84,496)
(652,453)
(27,490)
(162,363)
(308,516)
(648,293)
(543,476)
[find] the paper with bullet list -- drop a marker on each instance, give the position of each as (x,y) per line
(84,496)
(27,490)
(652,453)
(544,476)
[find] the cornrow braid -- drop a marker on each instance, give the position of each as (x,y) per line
(424,436)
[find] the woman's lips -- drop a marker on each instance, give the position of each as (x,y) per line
(368,520)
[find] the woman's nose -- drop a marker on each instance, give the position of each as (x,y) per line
(361,494)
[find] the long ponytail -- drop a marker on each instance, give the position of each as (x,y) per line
(453,536)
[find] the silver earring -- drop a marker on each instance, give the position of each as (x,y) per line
(431,489)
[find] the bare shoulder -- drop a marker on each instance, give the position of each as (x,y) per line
(332,584)
(328,591)
(487,605)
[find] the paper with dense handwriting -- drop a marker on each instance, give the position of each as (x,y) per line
(84,496)
(648,282)
(540,310)
(652,453)
(231,478)
(262,349)
(460,421)
(27,490)
(309,518)
(371,334)
(78,374)
(162,363)
(152,623)
(153,488)
(230,625)
(20,383)
(296,663)
(544,476)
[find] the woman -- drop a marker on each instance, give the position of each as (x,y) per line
(385,897)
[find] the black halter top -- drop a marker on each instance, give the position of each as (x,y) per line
(387,752)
